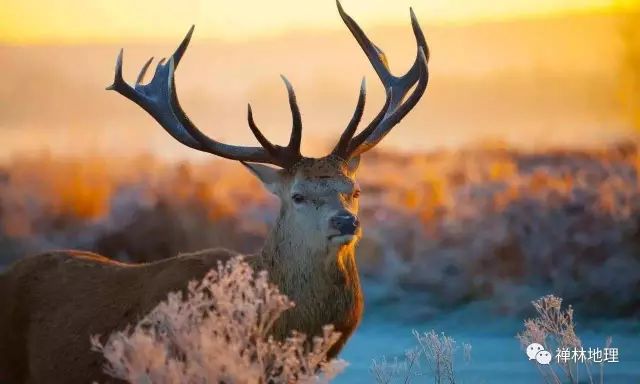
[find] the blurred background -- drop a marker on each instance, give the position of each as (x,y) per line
(514,177)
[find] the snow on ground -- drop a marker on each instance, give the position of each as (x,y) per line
(496,355)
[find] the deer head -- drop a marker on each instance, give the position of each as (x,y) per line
(319,196)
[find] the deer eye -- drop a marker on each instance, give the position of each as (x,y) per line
(356,193)
(297,198)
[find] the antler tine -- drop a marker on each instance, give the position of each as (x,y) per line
(289,155)
(118,84)
(417,32)
(182,48)
(143,71)
(296,129)
(397,87)
(421,43)
(266,144)
(342,148)
(160,100)
(371,138)
(358,140)
(377,58)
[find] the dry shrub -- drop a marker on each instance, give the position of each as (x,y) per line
(554,328)
(436,351)
(219,332)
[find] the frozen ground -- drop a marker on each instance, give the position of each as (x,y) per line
(496,354)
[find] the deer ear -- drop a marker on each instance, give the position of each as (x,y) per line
(352,164)
(270,177)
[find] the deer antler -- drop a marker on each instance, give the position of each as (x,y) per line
(160,100)
(397,88)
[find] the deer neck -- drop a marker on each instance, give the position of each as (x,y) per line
(292,263)
(323,283)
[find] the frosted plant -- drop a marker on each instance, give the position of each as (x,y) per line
(554,329)
(436,350)
(219,332)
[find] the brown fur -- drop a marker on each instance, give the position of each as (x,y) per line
(52,303)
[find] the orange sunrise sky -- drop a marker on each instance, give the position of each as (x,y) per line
(82,21)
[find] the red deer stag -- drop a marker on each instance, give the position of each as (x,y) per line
(53,302)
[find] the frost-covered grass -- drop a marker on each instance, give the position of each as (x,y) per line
(554,328)
(436,357)
(457,227)
(161,345)
(219,333)
(432,359)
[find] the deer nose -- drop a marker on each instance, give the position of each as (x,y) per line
(345,223)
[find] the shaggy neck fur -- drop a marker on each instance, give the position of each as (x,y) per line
(323,283)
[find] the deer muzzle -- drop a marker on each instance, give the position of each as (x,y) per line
(345,223)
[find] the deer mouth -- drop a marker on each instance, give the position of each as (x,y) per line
(341,239)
